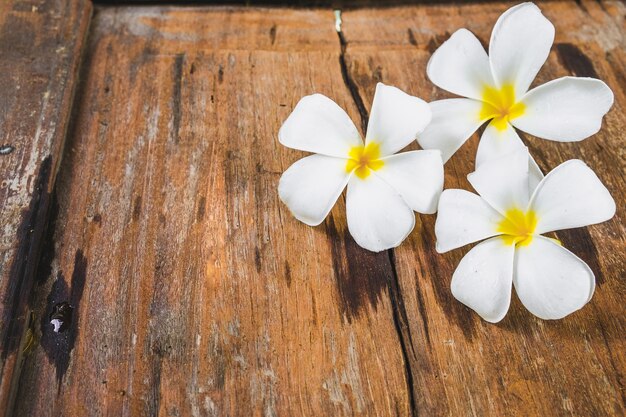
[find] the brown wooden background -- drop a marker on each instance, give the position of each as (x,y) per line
(139,168)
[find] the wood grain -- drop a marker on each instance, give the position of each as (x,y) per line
(196,293)
(40,46)
(194,290)
(523,366)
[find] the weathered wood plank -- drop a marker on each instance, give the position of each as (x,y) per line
(522,366)
(195,292)
(40,44)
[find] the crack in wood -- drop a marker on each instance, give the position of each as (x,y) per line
(400,318)
(354,90)
(31,230)
(176,104)
(401,324)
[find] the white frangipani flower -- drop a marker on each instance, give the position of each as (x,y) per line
(383,188)
(567,109)
(550,281)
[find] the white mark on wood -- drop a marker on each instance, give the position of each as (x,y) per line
(335,393)
(338,20)
(352,374)
(233,327)
(241,360)
(210,407)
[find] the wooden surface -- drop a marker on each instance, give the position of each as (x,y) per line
(196,293)
(40,50)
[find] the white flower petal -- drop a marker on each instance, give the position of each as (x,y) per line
(310,187)
(495,143)
(571,195)
(463,218)
(551,281)
(454,121)
(503,182)
(520,44)
(378,217)
(567,109)
(396,119)
(317,124)
(461,65)
(484,278)
(535,176)
(417,176)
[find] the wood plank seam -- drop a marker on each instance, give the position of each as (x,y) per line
(400,318)
(46,145)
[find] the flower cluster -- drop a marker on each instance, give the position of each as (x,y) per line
(515,204)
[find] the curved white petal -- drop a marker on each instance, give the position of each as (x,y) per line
(463,218)
(567,109)
(571,195)
(461,65)
(396,119)
(454,121)
(484,278)
(417,176)
(503,181)
(310,187)
(535,176)
(317,124)
(520,44)
(378,217)
(495,143)
(551,281)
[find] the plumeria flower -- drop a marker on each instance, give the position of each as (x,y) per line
(383,188)
(550,281)
(567,109)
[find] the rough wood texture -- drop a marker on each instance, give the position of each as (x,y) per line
(40,48)
(195,292)
(522,366)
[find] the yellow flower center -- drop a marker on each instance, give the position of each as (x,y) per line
(500,105)
(518,227)
(362,159)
